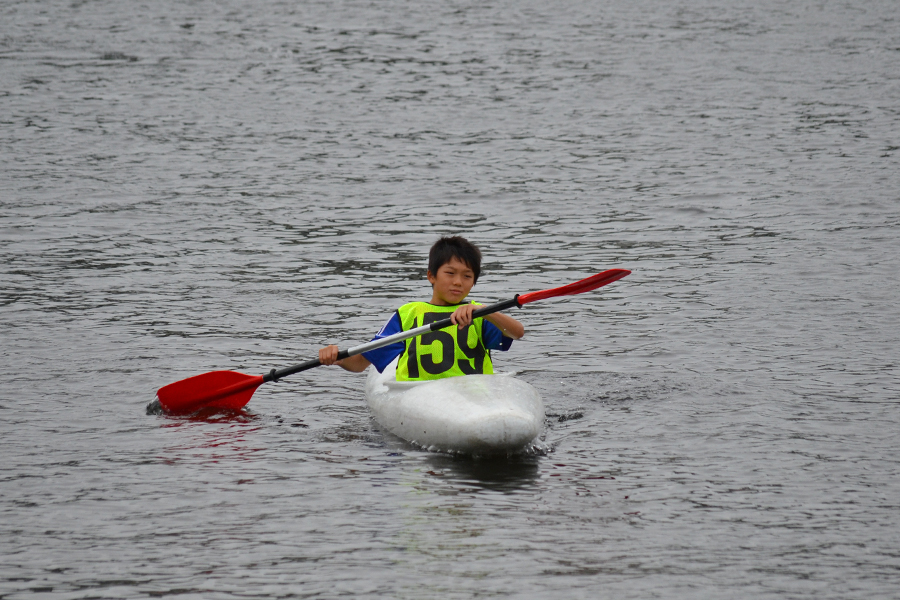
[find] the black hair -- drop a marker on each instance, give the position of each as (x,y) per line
(457,247)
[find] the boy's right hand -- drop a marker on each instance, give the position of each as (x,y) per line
(462,316)
(328,355)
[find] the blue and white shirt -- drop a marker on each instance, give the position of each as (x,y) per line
(382,357)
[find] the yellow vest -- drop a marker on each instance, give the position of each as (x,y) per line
(437,354)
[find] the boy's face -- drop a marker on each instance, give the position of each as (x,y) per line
(452,282)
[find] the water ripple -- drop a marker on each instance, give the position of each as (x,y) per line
(201,186)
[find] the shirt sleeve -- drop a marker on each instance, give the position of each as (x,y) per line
(382,357)
(493,339)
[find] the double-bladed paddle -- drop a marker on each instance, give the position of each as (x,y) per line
(230,390)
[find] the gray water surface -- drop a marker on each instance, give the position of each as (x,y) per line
(186,187)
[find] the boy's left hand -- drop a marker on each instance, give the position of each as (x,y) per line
(462,316)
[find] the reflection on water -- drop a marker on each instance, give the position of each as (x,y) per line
(498,474)
(211,415)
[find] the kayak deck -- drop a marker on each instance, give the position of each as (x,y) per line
(473,414)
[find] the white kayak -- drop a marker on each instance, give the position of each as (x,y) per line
(471,414)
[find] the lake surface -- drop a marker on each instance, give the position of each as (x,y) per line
(193,186)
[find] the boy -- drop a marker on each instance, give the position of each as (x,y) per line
(453,268)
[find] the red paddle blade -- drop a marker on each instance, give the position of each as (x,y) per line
(220,390)
(579,287)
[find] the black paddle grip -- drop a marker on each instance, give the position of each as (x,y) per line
(487,310)
(274,375)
